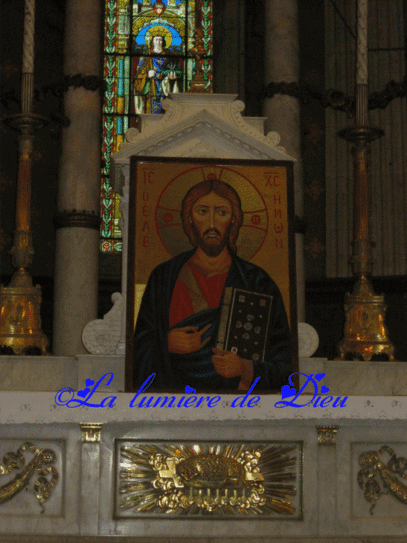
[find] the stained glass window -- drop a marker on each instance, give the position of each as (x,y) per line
(147,54)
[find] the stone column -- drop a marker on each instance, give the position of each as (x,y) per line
(282,63)
(77,224)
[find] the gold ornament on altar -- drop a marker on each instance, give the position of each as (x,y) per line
(387,474)
(16,461)
(224,480)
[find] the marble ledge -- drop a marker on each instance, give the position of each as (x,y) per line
(31,538)
(51,373)
(355,378)
(49,408)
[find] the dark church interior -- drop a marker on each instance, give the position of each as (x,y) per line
(239,42)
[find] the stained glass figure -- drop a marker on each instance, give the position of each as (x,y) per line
(156,74)
(147,56)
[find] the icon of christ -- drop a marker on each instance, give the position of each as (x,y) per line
(178,321)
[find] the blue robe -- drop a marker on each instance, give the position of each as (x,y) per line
(175,371)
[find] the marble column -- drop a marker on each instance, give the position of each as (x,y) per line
(282,63)
(77,223)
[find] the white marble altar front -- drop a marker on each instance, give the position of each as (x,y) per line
(83,500)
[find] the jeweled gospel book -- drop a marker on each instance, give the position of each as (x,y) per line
(244,323)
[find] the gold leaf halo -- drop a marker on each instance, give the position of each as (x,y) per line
(251,236)
(158,30)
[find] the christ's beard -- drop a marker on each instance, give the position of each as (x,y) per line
(212,246)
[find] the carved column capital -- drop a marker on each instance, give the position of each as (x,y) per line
(91,431)
(327,435)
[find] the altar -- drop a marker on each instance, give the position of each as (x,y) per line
(330,466)
(325,445)
(96,453)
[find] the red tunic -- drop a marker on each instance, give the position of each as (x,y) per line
(181,303)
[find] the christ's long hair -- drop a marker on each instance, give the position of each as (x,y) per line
(224,191)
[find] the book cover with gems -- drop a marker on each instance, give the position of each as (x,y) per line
(244,323)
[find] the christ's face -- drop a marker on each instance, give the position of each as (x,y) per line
(211,218)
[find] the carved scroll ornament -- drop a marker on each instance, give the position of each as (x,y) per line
(42,486)
(375,472)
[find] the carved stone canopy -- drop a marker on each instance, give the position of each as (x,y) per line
(199,125)
(193,125)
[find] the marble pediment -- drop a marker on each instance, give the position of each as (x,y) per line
(202,126)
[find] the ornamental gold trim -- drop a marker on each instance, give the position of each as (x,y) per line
(42,486)
(327,435)
(91,431)
(375,471)
(215,480)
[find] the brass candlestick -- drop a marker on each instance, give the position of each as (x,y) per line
(20,302)
(365,331)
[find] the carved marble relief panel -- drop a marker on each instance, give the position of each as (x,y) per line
(208,480)
(31,477)
(379,481)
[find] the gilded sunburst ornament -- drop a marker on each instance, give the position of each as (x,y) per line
(208,479)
